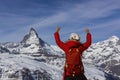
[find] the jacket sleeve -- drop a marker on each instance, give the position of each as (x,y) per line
(59,42)
(88,41)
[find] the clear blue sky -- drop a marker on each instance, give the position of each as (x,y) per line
(102,17)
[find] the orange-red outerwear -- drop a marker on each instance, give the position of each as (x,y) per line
(73,60)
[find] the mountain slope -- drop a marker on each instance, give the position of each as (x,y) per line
(13,66)
(106,55)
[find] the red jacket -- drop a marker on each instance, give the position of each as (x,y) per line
(73,63)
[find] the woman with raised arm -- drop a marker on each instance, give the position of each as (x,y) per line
(73,68)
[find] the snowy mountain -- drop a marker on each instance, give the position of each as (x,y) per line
(31,58)
(31,44)
(34,59)
(32,38)
(105,55)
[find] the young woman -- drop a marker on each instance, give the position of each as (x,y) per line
(73,69)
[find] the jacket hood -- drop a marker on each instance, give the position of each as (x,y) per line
(73,44)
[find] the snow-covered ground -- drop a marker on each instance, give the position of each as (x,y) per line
(10,63)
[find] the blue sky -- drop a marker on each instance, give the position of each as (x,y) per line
(102,17)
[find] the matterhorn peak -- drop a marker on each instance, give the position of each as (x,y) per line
(31,37)
(32,32)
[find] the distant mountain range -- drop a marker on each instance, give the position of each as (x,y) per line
(35,59)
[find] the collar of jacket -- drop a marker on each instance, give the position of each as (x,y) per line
(73,44)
